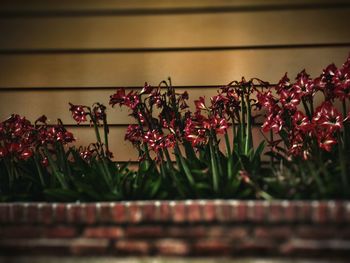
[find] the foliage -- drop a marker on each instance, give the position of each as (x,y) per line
(207,153)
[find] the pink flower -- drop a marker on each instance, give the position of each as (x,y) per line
(266,99)
(118,97)
(157,141)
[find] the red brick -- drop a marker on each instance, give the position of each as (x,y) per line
(172,247)
(316,248)
(273,232)
(303,212)
(135,213)
(256,211)
(224,212)
(4,213)
(32,213)
(87,246)
(119,213)
(104,232)
(238,232)
(319,212)
(194,212)
(275,212)
(179,212)
(144,231)
(240,212)
(218,247)
(149,212)
(133,247)
(60,213)
(106,213)
(45,214)
(337,212)
(90,214)
(20,232)
(289,211)
(209,211)
(16,213)
(60,232)
(165,212)
(74,214)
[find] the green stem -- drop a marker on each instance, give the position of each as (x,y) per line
(38,168)
(306,109)
(345,182)
(249,139)
(55,170)
(242,130)
(185,166)
(214,167)
(228,146)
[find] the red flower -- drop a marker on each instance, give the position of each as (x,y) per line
(304,86)
(133,134)
(273,122)
(328,117)
(195,132)
(118,97)
(289,99)
(3,152)
(301,122)
(200,104)
(341,83)
(325,140)
(147,89)
(157,141)
(218,124)
(26,154)
(283,84)
(78,113)
(266,99)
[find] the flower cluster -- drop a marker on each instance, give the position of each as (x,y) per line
(20,139)
(319,125)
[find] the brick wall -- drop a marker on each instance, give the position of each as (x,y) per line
(177,228)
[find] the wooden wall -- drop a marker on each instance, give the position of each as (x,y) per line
(55,52)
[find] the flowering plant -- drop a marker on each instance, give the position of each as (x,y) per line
(200,151)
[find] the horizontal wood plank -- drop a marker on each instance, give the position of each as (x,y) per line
(185,68)
(168,31)
(87,5)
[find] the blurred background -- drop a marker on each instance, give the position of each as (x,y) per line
(80,51)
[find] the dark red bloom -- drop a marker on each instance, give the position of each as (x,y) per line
(26,154)
(118,97)
(328,117)
(325,140)
(200,104)
(266,99)
(147,89)
(3,152)
(134,134)
(79,113)
(304,86)
(289,99)
(301,122)
(283,84)
(341,83)
(157,141)
(273,122)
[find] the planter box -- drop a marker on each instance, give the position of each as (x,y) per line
(177,228)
